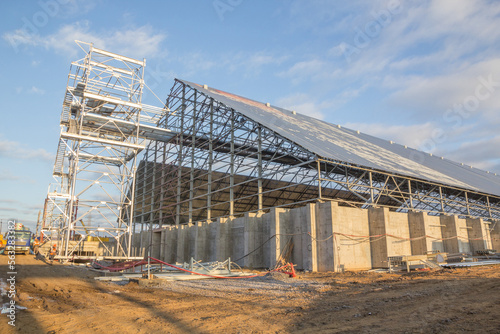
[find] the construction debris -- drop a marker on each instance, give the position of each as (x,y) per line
(154,268)
(438,261)
(409,262)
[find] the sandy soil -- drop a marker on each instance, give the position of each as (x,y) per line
(64,299)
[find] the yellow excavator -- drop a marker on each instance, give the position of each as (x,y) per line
(90,238)
(3,242)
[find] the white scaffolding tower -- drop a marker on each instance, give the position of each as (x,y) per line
(104,126)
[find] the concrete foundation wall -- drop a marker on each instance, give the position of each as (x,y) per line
(494,229)
(425,232)
(455,235)
(478,235)
(353,253)
(399,230)
(394,231)
(378,245)
(318,237)
(86,248)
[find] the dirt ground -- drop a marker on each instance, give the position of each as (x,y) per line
(66,299)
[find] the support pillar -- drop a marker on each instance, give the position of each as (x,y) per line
(478,235)
(495,235)
(378,246)
(274,230)
(181,243)
(454,230)
(418,230)
(223,250)
(324,232)
(309,245)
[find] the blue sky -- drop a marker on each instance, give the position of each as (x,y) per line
(421,73)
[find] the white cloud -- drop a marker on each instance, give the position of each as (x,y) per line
(251,63)
(410,135)
(36,90)
(243,62)
(32,90)
(76,7)
(33,210)
(305,68)
(196,62)
(483,153)
(429,137)
(10,209)
(16,150)
(425,61)
(324,17)
(315,70)
(437,93)
(139,42)
(303,104)
(262,58)
(463,104)
(433,37)
(7,175)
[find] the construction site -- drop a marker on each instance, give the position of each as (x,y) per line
(294,224)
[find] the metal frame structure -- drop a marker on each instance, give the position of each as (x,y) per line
(104,126)
(203,158)
(368,188)
(221,163)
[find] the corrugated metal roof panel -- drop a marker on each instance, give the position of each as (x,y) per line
(334,142)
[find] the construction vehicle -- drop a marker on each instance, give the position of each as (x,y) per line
(3,242)
(19,238)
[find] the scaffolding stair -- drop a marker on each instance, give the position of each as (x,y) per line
(59,163)
(104,126)
(67,106)
(52,217)
(431,264)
